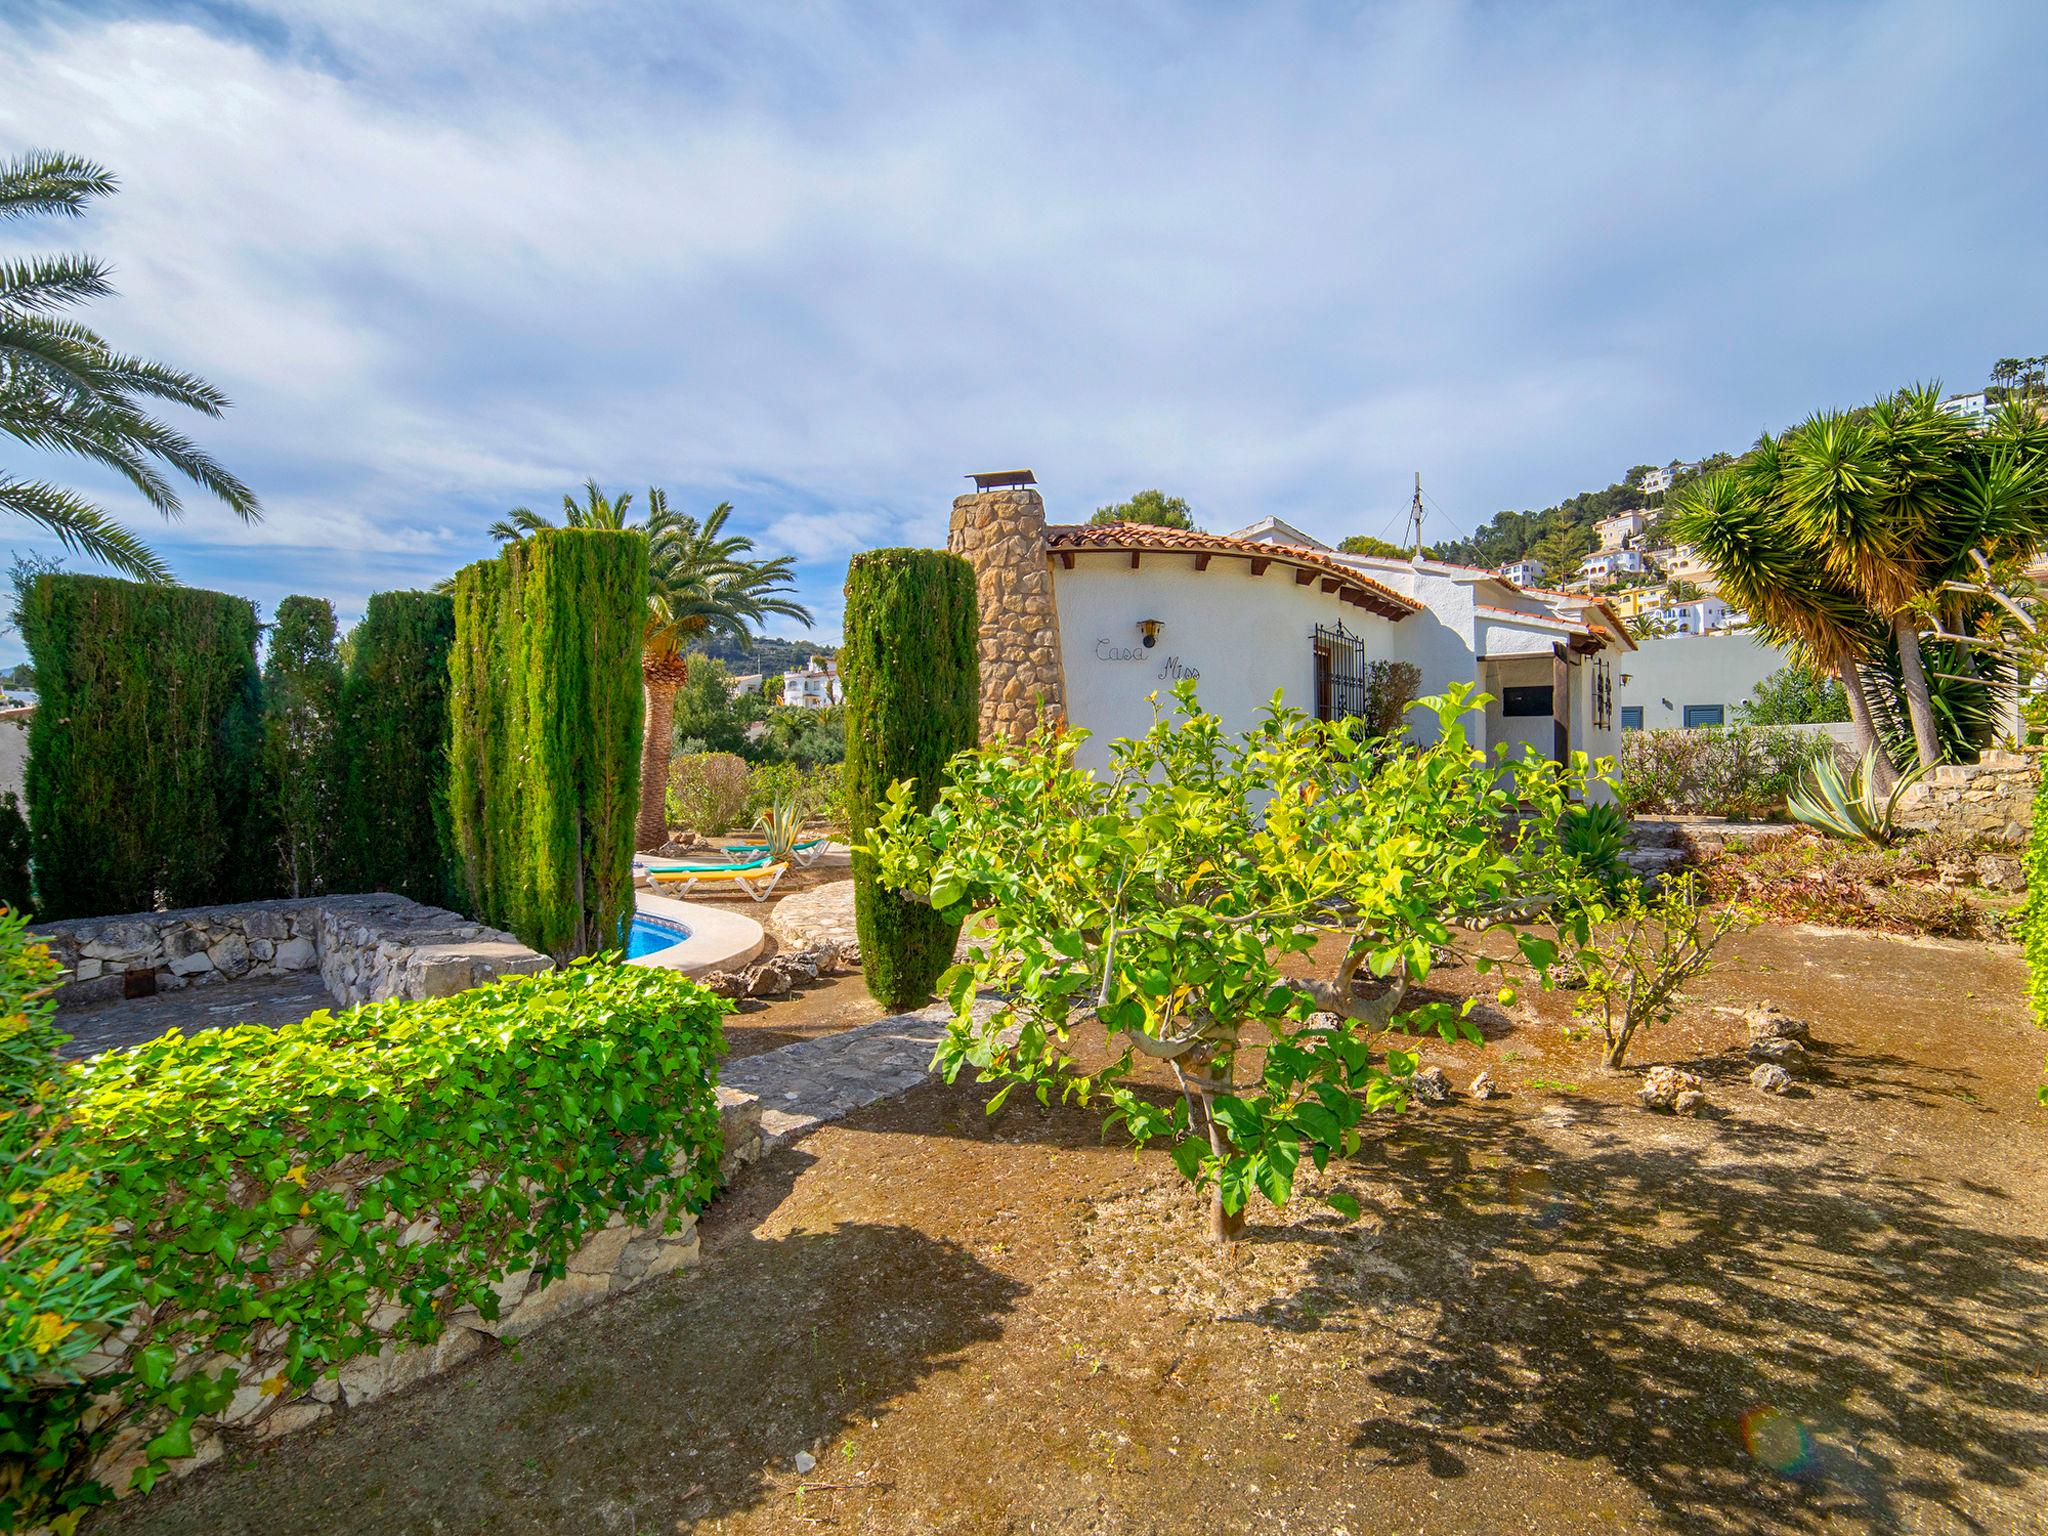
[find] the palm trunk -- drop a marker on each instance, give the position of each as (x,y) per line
(655,747)
(1866,728)
(1919,704)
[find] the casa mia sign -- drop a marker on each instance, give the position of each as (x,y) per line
(1172,669)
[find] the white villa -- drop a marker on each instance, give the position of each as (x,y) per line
(1617,531)
(1611,563)
(814,686)
(1525,572)
(1093,621)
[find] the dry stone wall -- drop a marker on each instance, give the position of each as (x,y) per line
(1991,799)
(1002,535)
(367,948)
(611,1261)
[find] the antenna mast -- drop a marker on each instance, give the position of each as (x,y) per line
(1415,514)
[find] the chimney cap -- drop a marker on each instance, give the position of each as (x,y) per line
(996,479)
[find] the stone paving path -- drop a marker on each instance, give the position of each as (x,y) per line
(804,1085)
(818,916)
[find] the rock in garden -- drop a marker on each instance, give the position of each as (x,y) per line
(1780,1051)
(1767,1022)
(805,1461)
(1482,1086)
(728,984)
(1666,1087)
(1566,976)
(1430,1085)
(1769,1077)
(2000,872)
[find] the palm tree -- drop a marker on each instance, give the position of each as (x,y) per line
(1731,519)
(65,390)
(702,581)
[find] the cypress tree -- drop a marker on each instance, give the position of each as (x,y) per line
(912,701)
(395,722)
(144,751)
(302,764)
(545,709)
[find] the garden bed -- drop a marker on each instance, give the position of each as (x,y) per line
(1561,1312)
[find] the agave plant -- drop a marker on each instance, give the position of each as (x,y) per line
(781,826)
(1858,808)
(1594,835)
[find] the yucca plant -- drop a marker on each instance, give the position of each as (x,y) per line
(781,826)
(1594,835)
(1859,809)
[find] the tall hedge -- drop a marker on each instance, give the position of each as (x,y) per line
(912,701)
(2034,914)
(394,713)
(143,767)
(303,769)
(545,711)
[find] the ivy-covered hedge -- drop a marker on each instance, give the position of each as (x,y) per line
(144,750)
(283,1187)
(394,710)
(2034,917)
(545,705)
(912,701)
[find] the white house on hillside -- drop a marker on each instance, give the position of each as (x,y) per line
(1097,620)
(814,686)
(1615,532)
(1526,572)
(1611,563)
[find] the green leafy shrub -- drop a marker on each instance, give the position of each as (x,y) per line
(2034,918)
(1153,912)
(819,793)
(394,711)
(403,1154)
(144,750)
(303,769)
(1594,835)
(1744,771)
(59,1292)
(710,793)
(912,701)
(545,702)
(15,893)
(1390,687)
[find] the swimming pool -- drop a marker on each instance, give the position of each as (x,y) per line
(649,935)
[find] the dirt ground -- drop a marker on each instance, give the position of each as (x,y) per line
(1561,1313)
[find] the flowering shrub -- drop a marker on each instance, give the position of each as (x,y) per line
(1743,771)
(399,1156)
(709,792)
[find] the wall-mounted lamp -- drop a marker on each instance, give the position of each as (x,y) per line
(1624,679)
(1150,628)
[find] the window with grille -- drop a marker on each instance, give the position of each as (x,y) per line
(1340,673)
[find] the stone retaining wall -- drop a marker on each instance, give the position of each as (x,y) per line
(1992,798)
(610,1262)
(366,947)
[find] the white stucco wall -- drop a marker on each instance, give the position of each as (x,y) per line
(1246,635)
(1666,675)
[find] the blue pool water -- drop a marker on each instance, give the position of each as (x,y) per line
(649,934)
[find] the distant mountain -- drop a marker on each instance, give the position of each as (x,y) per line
(1562,536)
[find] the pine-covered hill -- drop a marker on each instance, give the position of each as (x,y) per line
(1560,536)
(766,654)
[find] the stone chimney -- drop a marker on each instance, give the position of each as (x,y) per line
(1001,533)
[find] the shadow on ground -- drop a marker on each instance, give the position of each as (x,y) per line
(1759,1341)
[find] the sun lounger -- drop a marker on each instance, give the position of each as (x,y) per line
(756,881)
(806,854)
(690,867)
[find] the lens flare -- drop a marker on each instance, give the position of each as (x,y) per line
(1778,1440)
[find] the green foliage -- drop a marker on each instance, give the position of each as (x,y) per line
(144,752)
(781,827)
(15,891)
(707,716)
(1744,771)
(1390,687)
(769,655)
(1594,836)
(1795,695)
(709,793)
(819,793)
(1155,508)
(405,1153)
(1160,901)
(304,771)
(58,1289)
(546,708)
(912,702)
(1644,953)
(67,391)
(1366,544)
(2034,918)
(394,711)
(1858,808)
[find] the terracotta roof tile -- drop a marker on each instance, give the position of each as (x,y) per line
(1144,537)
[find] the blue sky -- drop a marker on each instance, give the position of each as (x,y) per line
(823,260)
